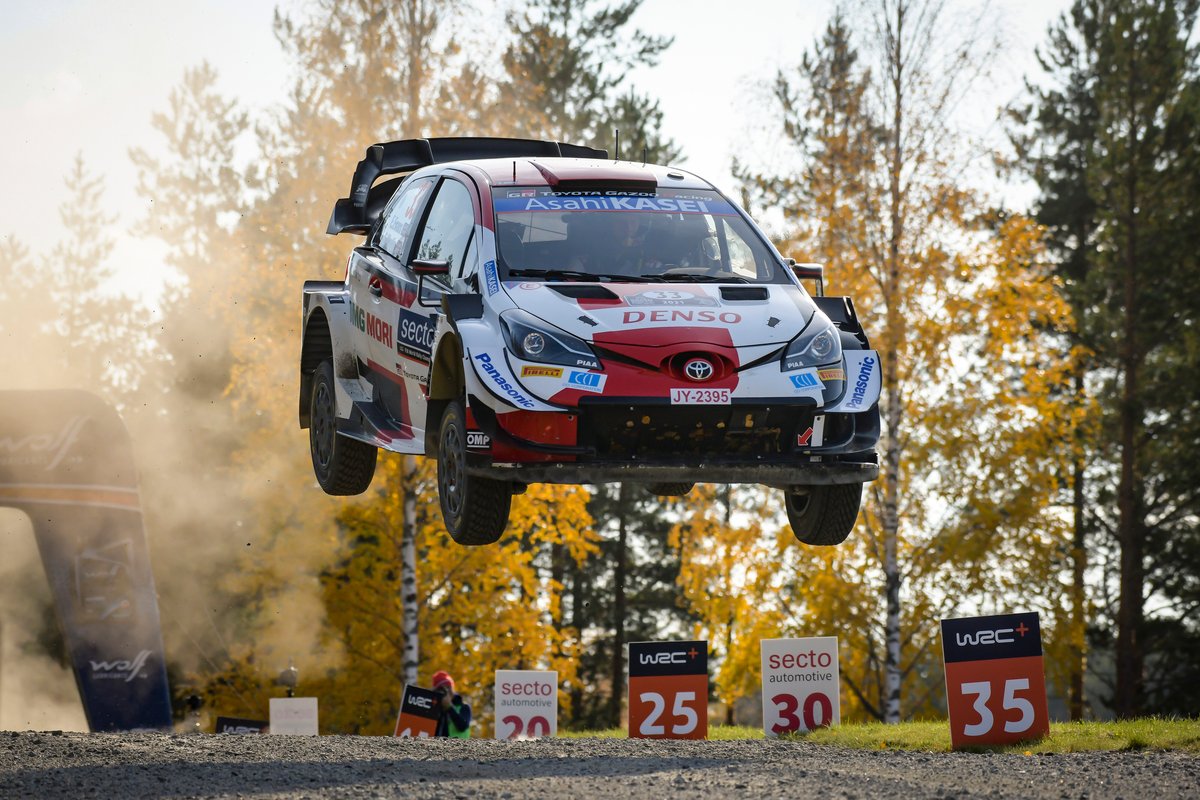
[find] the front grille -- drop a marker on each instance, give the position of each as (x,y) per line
(712,433)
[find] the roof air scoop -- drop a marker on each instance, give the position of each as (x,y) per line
(582,175)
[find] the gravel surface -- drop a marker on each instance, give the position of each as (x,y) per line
(159,765)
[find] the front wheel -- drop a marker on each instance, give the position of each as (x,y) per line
(342,465)
(823,515)
(474,509)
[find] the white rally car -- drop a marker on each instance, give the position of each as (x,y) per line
(530,311)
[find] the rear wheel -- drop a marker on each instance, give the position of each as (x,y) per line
(342,465)
(669,489)
(823,515)
(474,509)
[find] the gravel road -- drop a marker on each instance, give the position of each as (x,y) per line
(159,765)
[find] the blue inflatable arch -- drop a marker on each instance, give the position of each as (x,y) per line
(66,461)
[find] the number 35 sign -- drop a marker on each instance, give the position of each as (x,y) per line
(995,682)
(668,690)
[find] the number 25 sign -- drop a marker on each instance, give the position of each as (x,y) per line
(995,681)
(668,690)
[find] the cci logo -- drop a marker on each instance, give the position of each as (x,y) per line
(804,380)
(698,369)
(590,381)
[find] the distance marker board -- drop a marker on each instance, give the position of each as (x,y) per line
(800,684)
(995,680)
(419,712)
(668,690)
(526,703)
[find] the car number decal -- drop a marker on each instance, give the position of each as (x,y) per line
(700,397)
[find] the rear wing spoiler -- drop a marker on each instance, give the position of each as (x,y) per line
(356,213)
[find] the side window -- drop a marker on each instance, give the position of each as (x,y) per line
(402,216)
(449,226)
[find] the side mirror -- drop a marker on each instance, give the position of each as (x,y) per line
(429,266)
(815,272)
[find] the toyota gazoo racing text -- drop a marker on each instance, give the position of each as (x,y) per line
(530,311)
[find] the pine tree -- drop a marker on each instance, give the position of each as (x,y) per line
(1113,148)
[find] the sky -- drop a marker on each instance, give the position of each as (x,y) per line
(85,76)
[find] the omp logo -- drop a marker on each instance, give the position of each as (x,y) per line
(997,636)
(420,702)
(860,386)
(591,381)
(804,380)
(478,440)
(52,448)
(120,670)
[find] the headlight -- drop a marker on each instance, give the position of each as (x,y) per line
(818,344)
(530,339)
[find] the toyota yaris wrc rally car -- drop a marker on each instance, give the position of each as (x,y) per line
(530,311)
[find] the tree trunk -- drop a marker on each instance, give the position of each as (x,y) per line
(891,395)
(1128,700)
(618,657)
(408,571)
(1079,567)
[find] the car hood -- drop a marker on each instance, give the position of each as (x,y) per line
(651,314)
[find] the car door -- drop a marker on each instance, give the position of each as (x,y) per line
(446,234)
(375,289)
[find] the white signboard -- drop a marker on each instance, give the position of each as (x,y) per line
(295,716)
(800,684)
(526,703)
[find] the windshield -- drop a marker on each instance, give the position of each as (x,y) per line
(681,235)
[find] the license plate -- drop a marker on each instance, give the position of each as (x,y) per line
(700,397)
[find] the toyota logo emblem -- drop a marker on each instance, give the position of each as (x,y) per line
(698,369)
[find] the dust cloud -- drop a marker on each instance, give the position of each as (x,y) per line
(37,692)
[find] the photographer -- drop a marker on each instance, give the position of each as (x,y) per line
(455,719)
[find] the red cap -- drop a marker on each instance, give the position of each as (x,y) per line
(442,678)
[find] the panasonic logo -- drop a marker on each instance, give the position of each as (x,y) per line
(860,386)
(499,380)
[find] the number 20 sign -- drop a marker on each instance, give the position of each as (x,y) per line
(995,681)
(668,690)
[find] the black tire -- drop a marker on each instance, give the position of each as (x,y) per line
(823,515)
(669,489)
(343,466)
(474,509)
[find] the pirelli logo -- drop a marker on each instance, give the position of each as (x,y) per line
(541,372)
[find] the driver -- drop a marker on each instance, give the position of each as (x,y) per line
(619,248)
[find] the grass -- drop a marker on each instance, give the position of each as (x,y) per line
(1149,733)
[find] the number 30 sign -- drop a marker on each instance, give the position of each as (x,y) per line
(800,684)
(995,681)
